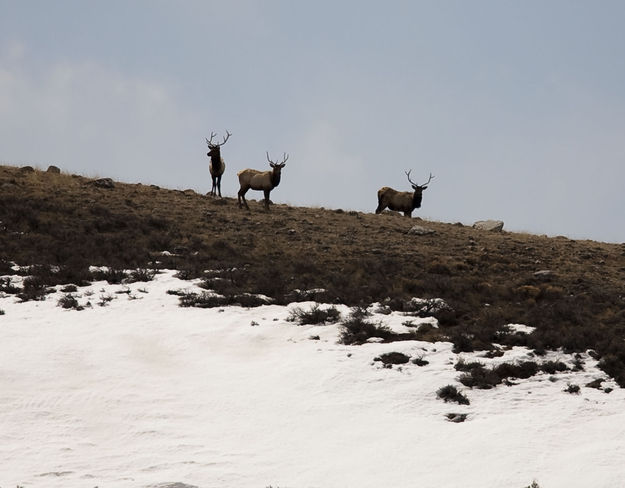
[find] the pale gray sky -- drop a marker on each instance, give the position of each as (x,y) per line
(517,108)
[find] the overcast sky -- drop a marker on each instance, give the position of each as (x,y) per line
(516,107)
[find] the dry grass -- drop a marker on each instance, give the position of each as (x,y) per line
(488,279)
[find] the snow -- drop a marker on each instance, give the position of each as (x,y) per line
(144,393)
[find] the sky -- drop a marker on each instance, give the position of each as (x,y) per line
(516,108)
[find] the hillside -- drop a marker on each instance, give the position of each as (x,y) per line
(571,291)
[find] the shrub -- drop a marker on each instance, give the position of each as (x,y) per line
(572,389)
(356,330)
(419,361)
(316,315)
(111,275)
(450,393)
(141,274)
(553,367)
(393,358)
(7,286)
(201,300)
(34,288)
(69,301)
(478,376)
(533,485)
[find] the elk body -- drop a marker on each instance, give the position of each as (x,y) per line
(216,165)
(401,201)
(260,180)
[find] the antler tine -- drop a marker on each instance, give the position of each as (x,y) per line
(285,156)
(270,161)
(429,179)
(408,175)
(226,138)
(210,143)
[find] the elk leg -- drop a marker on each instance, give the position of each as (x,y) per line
(219,185)
(241,196)
(267,199)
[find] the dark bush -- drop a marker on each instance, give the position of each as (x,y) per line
(393,358)
(316,315)
(111,275)
(201,300)
(142,275)
(69,301)
(419,361)
(572,389)
(35,288)
(7,286)
(357,330)
(553,367)
(450,393)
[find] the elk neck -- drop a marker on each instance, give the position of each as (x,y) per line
(275,177)
(215,155)
(416,198)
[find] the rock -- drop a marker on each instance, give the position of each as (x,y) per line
(456,417)
(418,230)
(544,273)
(54,169)
(104,183)
(27,169)
(489,225)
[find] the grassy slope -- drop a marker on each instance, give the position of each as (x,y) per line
(359,258)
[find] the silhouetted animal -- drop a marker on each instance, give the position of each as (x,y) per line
(217,165)
(401,201)
(260,180)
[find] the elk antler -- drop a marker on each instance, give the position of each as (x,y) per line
(285,156)
(408,175)
(429,179)
(415,184)
(211,144)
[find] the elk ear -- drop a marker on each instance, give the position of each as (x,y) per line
(425,187)
(273,165)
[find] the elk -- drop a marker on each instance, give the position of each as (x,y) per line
(217,165)
(402,201)
(260,180)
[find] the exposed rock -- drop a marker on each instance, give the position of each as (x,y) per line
(27,169)
(489,225)
(456,417)
(54,169)
(104,183)
(544,274)
(418,230)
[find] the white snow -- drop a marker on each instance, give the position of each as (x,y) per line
(142,393)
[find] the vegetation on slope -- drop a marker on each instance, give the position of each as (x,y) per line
(487,279)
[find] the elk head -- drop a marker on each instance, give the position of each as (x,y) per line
(418,189)
(213,147)
(280,165)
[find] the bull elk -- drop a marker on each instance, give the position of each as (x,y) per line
(217,165)
(402,201)
(260,180)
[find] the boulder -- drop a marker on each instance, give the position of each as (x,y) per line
(104,183)
(489,225)
(418,230)
(54,169)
